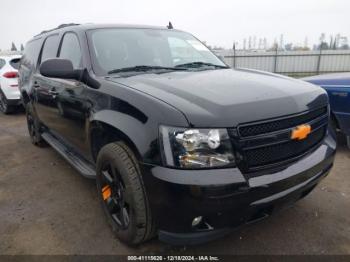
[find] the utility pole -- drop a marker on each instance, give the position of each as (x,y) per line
(234,54)
(276,55)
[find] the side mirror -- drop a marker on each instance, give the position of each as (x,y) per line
(59,68)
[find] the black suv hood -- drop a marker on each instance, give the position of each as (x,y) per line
(226,98)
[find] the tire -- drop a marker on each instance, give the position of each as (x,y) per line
(34,127)
(4,107)
(122,194)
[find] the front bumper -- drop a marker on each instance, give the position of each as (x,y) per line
(226,198)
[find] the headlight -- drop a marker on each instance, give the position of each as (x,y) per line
(196,148)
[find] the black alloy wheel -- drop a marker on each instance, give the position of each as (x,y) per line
(115,196)
(122,194)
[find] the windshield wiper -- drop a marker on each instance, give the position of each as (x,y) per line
(143,68)
(200,64)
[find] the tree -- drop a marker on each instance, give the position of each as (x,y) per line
(22,47)
(274,47)
(345,47)
(13,47)
(324,46)
(288,47)
(301,48)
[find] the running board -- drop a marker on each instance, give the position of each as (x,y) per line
(81,165)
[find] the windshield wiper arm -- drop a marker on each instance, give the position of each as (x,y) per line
(200,64)
(143,68)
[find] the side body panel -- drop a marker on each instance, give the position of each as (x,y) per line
(73,109)
(338,90)
(339,99)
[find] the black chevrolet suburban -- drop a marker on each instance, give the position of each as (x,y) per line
(181,146)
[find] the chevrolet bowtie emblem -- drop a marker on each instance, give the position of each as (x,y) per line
(301,132)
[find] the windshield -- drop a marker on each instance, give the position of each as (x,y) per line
(118,48)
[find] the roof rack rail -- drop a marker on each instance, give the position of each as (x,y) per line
(58,27)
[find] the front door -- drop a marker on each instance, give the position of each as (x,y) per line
(64,107)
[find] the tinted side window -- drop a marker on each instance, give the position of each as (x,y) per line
(2,63)
(31,53)
(70,49)
(50,48)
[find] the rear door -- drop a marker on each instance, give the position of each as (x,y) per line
(45,101)
(28,66)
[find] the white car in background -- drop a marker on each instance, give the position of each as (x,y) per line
(9,91)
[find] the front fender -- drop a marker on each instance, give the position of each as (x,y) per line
(141,134)
(134,114)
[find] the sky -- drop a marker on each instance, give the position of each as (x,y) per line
(218,23)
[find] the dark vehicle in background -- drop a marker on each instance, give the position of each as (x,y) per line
(181,145)
(338,89)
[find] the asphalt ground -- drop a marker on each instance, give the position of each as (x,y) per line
(46,207)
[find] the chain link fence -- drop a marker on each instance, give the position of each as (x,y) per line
(291,63)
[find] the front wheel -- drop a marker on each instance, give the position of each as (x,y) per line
(122,194)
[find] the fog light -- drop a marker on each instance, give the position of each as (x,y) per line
(196,221)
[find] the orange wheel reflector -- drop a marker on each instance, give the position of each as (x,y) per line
(106,192)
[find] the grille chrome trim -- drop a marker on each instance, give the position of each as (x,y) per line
(320,112)
(287,133)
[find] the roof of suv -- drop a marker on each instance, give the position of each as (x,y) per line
(90,26)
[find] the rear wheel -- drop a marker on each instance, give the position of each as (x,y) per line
(34,127)
(4,107)
(122,194)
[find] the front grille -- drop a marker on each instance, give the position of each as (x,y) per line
(266,144)
(275,125)
(284,151)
